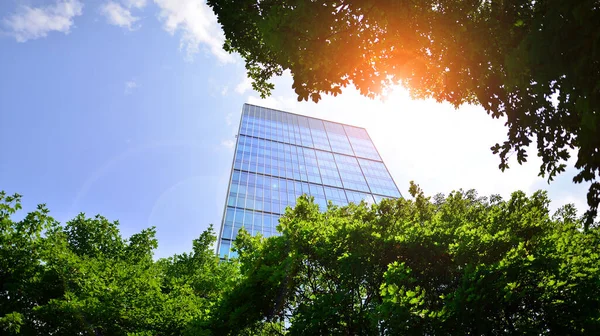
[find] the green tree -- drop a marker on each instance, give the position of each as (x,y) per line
(535,62)
(83,278)
(454,265)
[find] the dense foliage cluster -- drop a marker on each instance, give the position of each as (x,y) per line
(454,265)
(536,63)
(83,278)
(459,265)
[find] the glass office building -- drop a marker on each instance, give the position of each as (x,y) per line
(280,156)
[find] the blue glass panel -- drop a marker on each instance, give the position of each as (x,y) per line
(224,248)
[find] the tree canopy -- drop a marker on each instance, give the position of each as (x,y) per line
(83,278)
(455,265)
(537,63)
(452,265)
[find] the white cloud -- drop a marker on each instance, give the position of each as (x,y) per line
(216,88)
(30,23)
(438,147)
(196,24)
(118,15)
(135,3)
(228,143)
(130,86)
(229,119)
(244,85)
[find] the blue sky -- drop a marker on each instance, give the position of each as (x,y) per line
(128,108)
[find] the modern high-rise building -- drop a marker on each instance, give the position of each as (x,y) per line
(280,156)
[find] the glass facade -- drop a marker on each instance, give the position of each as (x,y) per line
(280,156)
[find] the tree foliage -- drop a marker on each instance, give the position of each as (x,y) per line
(455,265)
(83,278)
(537,63)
